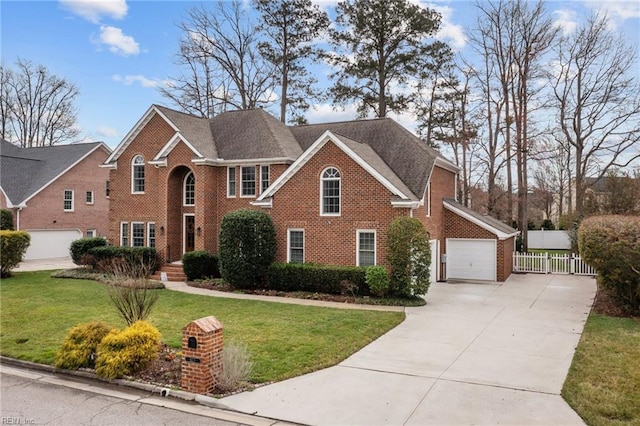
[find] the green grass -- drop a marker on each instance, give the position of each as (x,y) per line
(284,340)
(603,384)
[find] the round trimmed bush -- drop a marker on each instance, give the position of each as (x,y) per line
(200,264)
(13,246)
(79,249)
(80,345)
(378,280)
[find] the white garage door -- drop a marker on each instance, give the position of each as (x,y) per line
(471,259)
(46,244)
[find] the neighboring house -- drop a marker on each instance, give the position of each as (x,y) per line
(56,193)
(332,190)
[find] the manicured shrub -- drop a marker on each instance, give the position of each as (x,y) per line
(247,247)
(316,278)
(547,225)
(409,256)
(13,246)
(79,249)
(611,244)
(6,220)
(139,261)
(378,280)
(125,352)
(200,264)
(80,345)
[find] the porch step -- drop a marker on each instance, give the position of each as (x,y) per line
(174,273)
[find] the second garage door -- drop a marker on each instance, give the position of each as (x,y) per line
(46,244)
(471,259)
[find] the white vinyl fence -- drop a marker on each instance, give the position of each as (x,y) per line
(551,240)
(543,263)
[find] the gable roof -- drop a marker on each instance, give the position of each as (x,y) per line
(26,171)
(410,158)
(491,224)
(362,154)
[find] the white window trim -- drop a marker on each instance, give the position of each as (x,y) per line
(428,201)
(92,197)
(148,236)
(375,244)
(91,233)
(235,181)
(255,181)
(73,201)
(304,247)
(184,190)
(133,166)
(128,232)
(322,180)
(131,231)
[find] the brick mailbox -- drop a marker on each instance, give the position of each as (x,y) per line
(201,355)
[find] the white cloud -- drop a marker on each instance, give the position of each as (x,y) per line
(449,32)
(621,9)
(93,10)
(117,41)
(107,132)
(128,80)
(566,20)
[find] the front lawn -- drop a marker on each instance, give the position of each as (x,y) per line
(603,384)
(284,340)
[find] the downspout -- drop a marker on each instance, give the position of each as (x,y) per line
(18,218)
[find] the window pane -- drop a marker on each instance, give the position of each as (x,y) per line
(68,200)
(124,234)
(190,190)
(152,234)
(231,179)
(137,235)
(89,197)
(331,196)
(248,181)
(137,174)
(367,248)
(265,177)
(296,246)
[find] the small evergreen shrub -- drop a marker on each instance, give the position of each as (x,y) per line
(200,264)
(13,246)
(547,225)
(80,345)
(140,261)
(125,352)
(409,256)
(316,278)
(6,220)
(247,247)
(79,249)
(611,244)
(378,280)
(236,367)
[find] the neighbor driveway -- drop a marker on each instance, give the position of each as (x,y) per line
(475,354)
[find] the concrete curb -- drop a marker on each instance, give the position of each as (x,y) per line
(147,387)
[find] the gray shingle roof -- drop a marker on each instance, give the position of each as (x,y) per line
(488,220)
(409,158)
(195,129)
(252,134)
(24,171)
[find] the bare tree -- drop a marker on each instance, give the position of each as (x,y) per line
(36,106)
(597,94)
(219,49)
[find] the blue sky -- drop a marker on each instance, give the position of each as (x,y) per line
(118,51)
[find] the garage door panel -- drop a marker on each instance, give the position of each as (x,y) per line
(47,244)
(471,259)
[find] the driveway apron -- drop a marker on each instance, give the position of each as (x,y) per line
(477,353)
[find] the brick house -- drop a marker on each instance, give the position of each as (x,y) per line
(56,193)
(332,189)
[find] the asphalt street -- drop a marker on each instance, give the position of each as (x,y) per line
(34,398)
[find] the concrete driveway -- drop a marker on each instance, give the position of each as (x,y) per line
(475,354)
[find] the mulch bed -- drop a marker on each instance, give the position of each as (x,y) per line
(606,304)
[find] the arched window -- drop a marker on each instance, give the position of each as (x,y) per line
(137,175)
(189,189)
(330,192)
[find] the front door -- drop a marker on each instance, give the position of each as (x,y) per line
(189,233)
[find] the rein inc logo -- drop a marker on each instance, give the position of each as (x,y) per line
(16,421)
